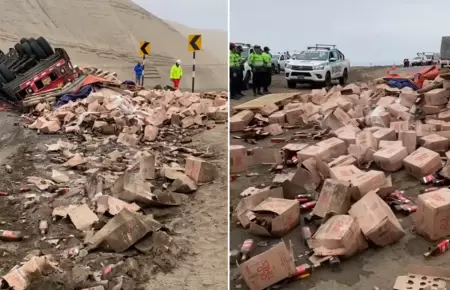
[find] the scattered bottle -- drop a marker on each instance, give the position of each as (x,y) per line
(406,208)
(43,227)
(440,248)
(303,271)
(246,248)
(10,235)
(306,233)
(24,189)
(308,205)
(108,272)
(429,178)
(430,189)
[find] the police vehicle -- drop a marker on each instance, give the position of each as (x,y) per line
(320,64)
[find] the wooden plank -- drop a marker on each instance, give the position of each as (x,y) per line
(264,100)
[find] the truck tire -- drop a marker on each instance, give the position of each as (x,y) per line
(23,40)
(328,80)
(343,80)
(291,84)
(279,69)
(37,50)
(6,73)
(18,47)
(8,94)
(45,46)
(27,48)
(2,80)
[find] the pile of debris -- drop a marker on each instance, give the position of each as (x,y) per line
(337,190)
(125,157)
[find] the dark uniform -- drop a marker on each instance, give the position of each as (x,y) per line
(240,85)
(234,64)
(256,62)
(268,69)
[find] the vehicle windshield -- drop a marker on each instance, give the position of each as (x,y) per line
(313,55)
(429,56)
(295,56)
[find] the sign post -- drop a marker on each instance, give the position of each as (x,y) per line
(144,49)
(194,44)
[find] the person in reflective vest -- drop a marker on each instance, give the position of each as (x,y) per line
(256,62)
(234,64)
(240,86)
(176,72)
(268,70)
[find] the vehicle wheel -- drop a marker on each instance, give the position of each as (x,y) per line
(6,73)
(8,94)
(291,84)
(27,48)
(328,80)
(2,80)
(37,50)
(344,78)
(279,69)
(45,46)
(442,65)
(18,47)
(23,40)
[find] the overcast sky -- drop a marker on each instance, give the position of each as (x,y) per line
(378,32)
(204,14)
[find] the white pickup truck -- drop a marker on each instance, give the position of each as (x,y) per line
(320,64)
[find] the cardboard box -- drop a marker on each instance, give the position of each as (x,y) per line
(432,219)
(295,183)
(335,198)
(314,151)
(246,204)
(338,236)
(384,134)
(425,129)
(268,268)
(423,277)
(430,110)
(367,181)
(294,116)
(278,118)
(267,156)
(199,170)
(291,149)
(335,146)
(437,123)
(275,217)
(365,140)
(409,140)
(436,97)
(400,126)
(238,158)
(408,99)
(434,142)
(239,121)
(347,133)
(390,158)
(342,161)
(388,144)
(422,162)
(344,173)
(342,116)
(376,220)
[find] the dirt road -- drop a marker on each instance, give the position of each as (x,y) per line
(374,267)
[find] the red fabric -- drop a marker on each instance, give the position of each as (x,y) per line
(176,83)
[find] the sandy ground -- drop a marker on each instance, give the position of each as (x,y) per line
(114,44)
(374,267)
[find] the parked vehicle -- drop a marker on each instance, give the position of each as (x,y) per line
(320,64)
(33,66)
(281,59)
(445,51)
(425,58)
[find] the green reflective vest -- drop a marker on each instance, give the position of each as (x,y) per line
(235,59)
(176,72)
(267,59)
(256,60)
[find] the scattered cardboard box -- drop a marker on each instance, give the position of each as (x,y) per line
(335,198)
(390,158)
(422,162)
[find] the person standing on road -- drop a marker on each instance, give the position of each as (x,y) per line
(240,80)
(234,64)
(267,57)
(138,70)
(256,62)
(176,72)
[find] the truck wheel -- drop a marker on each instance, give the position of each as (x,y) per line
(6,73)
(27,48)
(37,50)
(328,80)
(344,78)
(23,40)
(291,84)
(18,47)
(278,69)
(2,80)
(45,46)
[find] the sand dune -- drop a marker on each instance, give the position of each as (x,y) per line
(106,33)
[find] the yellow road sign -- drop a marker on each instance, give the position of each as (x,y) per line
(144,48)
(195,42)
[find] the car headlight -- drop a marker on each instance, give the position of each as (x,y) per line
(289,66)
(319,67)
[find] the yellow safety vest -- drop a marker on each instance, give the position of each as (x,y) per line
(267,59)
(235,59)
(176,72)
(256,60)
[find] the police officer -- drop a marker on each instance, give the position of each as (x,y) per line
(234,64)
(256,62)
(240,80)
(267,69)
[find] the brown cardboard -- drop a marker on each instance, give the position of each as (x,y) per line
(83,217)
(400,126)
(291,149)
(432,219)
(267,156)
(246,204)
(293,116)
(376,220)
(430,110)
(390,158)
(342,116)
(335,146)
(387,188)
(408,99)
(338,236)
(387,144)
(200,170)
(434,142)
(399,112)
(274,129)
(238,158)
(409,140)
(444,116)
(335,198)
(367,181)
(269,109)
(278,117)
(384,134)
(347,133)
(425,129)
(275,217)
(268,268)
(311,165)
(437,123)
(344,173)
(436,97)
(239,121)
(295,183)
(314,151)
(365,140)
(342,161)
(422,162)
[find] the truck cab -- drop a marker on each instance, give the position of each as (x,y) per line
(320,64)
